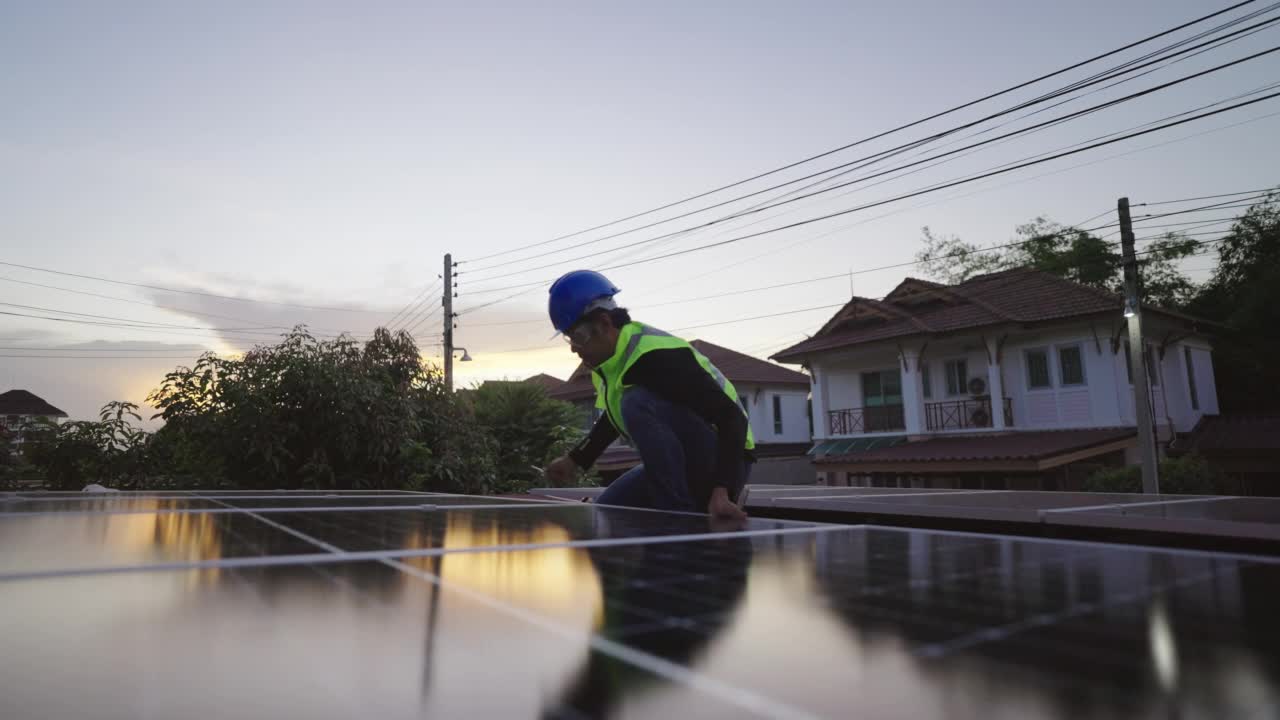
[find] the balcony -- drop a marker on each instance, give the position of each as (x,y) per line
(972,413)
(855,421)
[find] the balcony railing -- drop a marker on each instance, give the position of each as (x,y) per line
(963,414)
(851,421)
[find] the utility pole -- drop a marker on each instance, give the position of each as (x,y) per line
(447,301)
(1138,355)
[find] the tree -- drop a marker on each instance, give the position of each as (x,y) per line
(948,259)
(1067,252)
(529,428)
(111,451)
(322,414)
(1244,294)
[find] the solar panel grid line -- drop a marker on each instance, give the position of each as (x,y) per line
(846,496)
(737,696)
(283,528)
(742,697)
(1065,542)
(940,650)
(1122,506)
(267,509)
(348,555)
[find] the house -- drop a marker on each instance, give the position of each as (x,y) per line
(1244,448)
(19,407)
(544,381)
(1015,379)
(775,399)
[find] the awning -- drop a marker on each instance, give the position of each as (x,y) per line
(849,446)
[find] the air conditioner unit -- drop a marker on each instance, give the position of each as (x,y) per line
(977,386)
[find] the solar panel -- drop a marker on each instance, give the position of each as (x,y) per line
(477,608)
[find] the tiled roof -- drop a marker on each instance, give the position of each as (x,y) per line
(21,402)
(545,381)
(740,368)
(985,448)
(736,366)
(1232,434)
(920,307)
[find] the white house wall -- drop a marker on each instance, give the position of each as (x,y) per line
(1207,390)
(1104,400)
(1093,404)
(759,406)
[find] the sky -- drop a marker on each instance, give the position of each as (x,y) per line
(328,154)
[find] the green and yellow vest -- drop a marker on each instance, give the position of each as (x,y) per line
(634,340)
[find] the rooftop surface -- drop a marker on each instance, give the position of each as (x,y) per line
(397,605)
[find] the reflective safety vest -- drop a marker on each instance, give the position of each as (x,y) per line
(634,340)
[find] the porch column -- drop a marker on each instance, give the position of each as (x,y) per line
(818,395)
(995,383)
(912,392)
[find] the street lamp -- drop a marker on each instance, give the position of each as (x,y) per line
(466,357)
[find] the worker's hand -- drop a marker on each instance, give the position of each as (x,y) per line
(561,471)
(722,508)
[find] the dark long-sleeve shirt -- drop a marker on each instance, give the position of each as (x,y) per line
(674,374)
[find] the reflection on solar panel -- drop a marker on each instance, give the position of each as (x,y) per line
(202,605)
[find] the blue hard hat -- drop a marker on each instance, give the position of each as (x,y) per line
(574,293)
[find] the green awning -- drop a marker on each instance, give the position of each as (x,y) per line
(848,446)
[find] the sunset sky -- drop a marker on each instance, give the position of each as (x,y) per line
(327,154)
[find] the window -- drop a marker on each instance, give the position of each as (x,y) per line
(957,377)
(1070,365)
(777,414)
(1038,370)
(1191,378)
(924,379)
(881,388)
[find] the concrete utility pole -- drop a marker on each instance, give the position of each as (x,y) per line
(448,322)
(1138,355)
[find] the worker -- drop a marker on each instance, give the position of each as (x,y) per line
(657,391)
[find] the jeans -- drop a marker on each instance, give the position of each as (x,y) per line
(675,445)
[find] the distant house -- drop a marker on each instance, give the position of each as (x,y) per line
(1245,448)
(19,407)
(774,398)
(1016,379)
(544,381)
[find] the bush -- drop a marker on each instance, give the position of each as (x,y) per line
(528,428)
(1186,475)
(310,413)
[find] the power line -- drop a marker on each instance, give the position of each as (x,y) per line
(144,304)
(529,286)
(1021,131)
(1263,191)
(877,136)
(99,357)
(943,186)
(68,349)
(421,297)
(889,267)
(936,187)
(1077,166)
(187,292)
(761,317)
